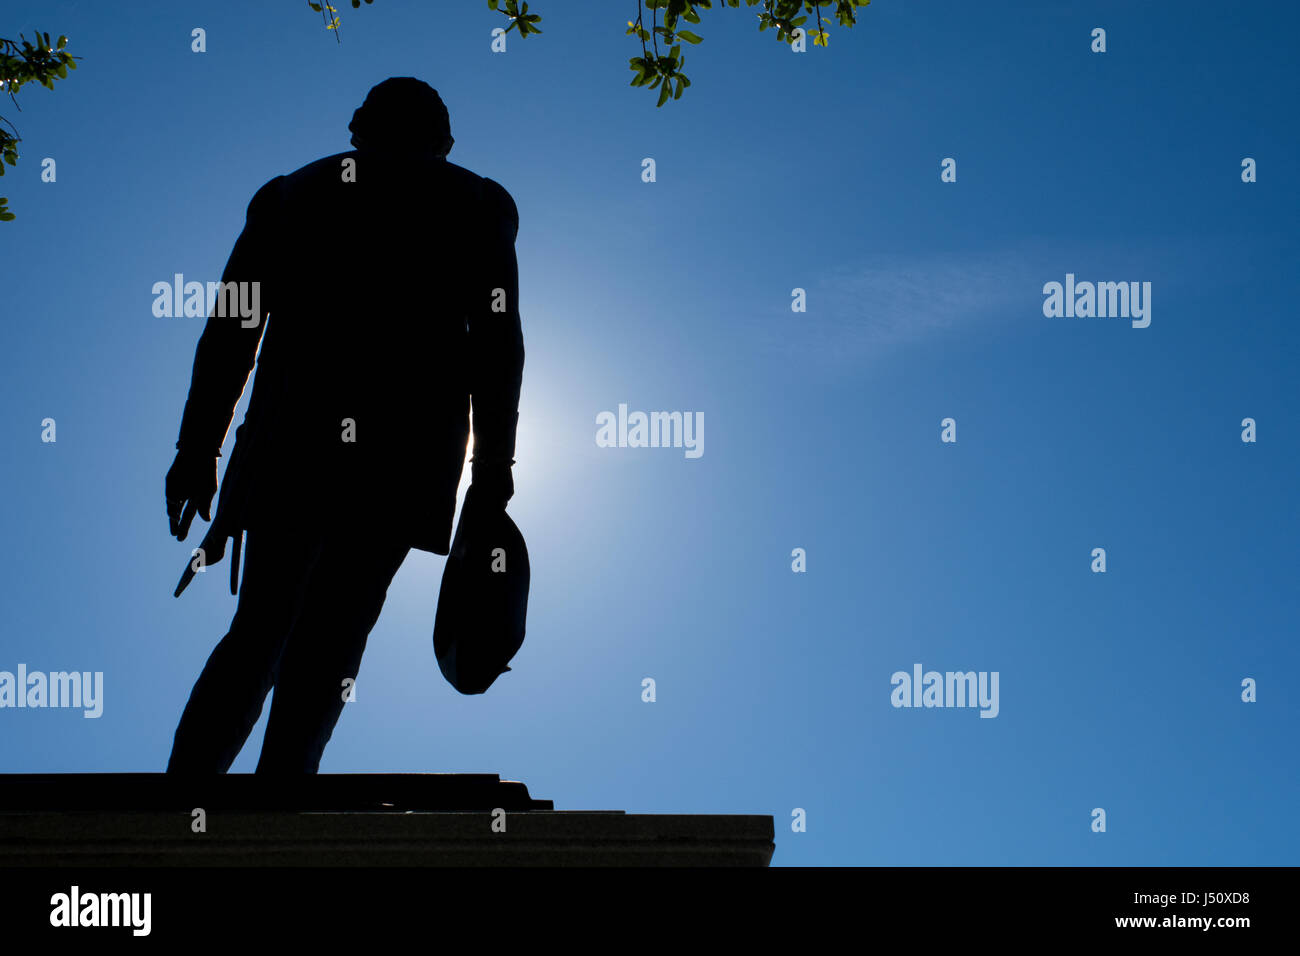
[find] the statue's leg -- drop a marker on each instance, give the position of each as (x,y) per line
(343,600)
(227,698)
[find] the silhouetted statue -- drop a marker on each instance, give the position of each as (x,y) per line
(390,282)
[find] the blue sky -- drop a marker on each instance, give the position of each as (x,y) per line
(924,301)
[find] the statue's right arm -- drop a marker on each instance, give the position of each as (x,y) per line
(228,347)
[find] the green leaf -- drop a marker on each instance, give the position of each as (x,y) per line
(664,92)
(688,36)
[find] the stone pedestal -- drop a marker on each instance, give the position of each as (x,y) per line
(142,820)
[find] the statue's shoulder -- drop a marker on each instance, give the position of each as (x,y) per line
(501,198)
(330,169)
(496,195)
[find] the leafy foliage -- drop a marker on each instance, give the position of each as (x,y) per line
(331,15)
(23,62)
(664,71)
(518,16)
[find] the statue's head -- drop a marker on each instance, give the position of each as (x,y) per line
(403,115)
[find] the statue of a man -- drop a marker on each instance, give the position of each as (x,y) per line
(388,305)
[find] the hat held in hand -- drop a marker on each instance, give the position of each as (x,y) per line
(483,602)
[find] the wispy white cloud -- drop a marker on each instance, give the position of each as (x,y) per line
(857,314)
(901,300)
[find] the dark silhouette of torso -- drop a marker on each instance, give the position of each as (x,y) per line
(361,399)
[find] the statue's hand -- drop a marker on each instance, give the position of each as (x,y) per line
(491,484)
(191,486)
